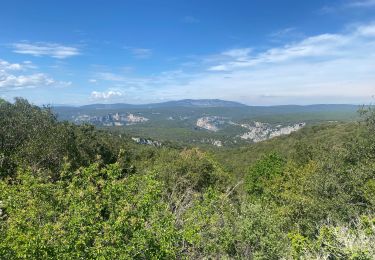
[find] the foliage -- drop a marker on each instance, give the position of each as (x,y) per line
(76,192)
(339,242)
(94,213)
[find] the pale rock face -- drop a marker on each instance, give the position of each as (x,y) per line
(263,131)
(116,117)
(111,119)
(136,119)
(205,123)
(211,141)
(82,118)
(287,130)
(210,123)
(217,143)
(256,134)
(139,140)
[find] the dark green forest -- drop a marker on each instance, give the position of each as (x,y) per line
(77,192)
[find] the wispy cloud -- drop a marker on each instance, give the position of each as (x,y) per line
(54,50)
(324,45)
(139,53)
(142,53)
(339,66)
(286,34)
(105,95)
(283,32)
(332,68)
(238,54)
(7,66)
(109,76)
(190,19)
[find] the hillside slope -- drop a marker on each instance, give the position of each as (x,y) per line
(205,122)
(75,192)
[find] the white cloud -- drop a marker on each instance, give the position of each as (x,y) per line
(336,67)
(323,45)
(9,81)
(367,30)
(221,67)
(5,65)
(12,79)
(54,50)
(106,95)
(329,68)
(324,68)
(239,54)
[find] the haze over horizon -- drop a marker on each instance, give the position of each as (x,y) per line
(137,52)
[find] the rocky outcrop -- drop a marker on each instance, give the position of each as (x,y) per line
(259,131)
(210,123)
(139,140)
(111,119)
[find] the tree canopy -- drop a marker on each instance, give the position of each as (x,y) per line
(75,192)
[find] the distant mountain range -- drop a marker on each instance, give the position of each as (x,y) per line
(206,103)
(205,121)
(178,103)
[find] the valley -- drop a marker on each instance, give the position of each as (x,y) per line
(205,122)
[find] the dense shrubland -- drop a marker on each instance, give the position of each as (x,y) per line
(73,192)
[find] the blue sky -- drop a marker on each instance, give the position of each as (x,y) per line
(259,52)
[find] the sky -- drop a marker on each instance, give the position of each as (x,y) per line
(258,52)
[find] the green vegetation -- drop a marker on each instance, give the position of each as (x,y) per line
(75,192)
(177,122)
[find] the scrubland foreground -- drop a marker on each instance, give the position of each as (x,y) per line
(74,192)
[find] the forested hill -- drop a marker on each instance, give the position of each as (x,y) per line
(205,122)
(169,104)
(75,192)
